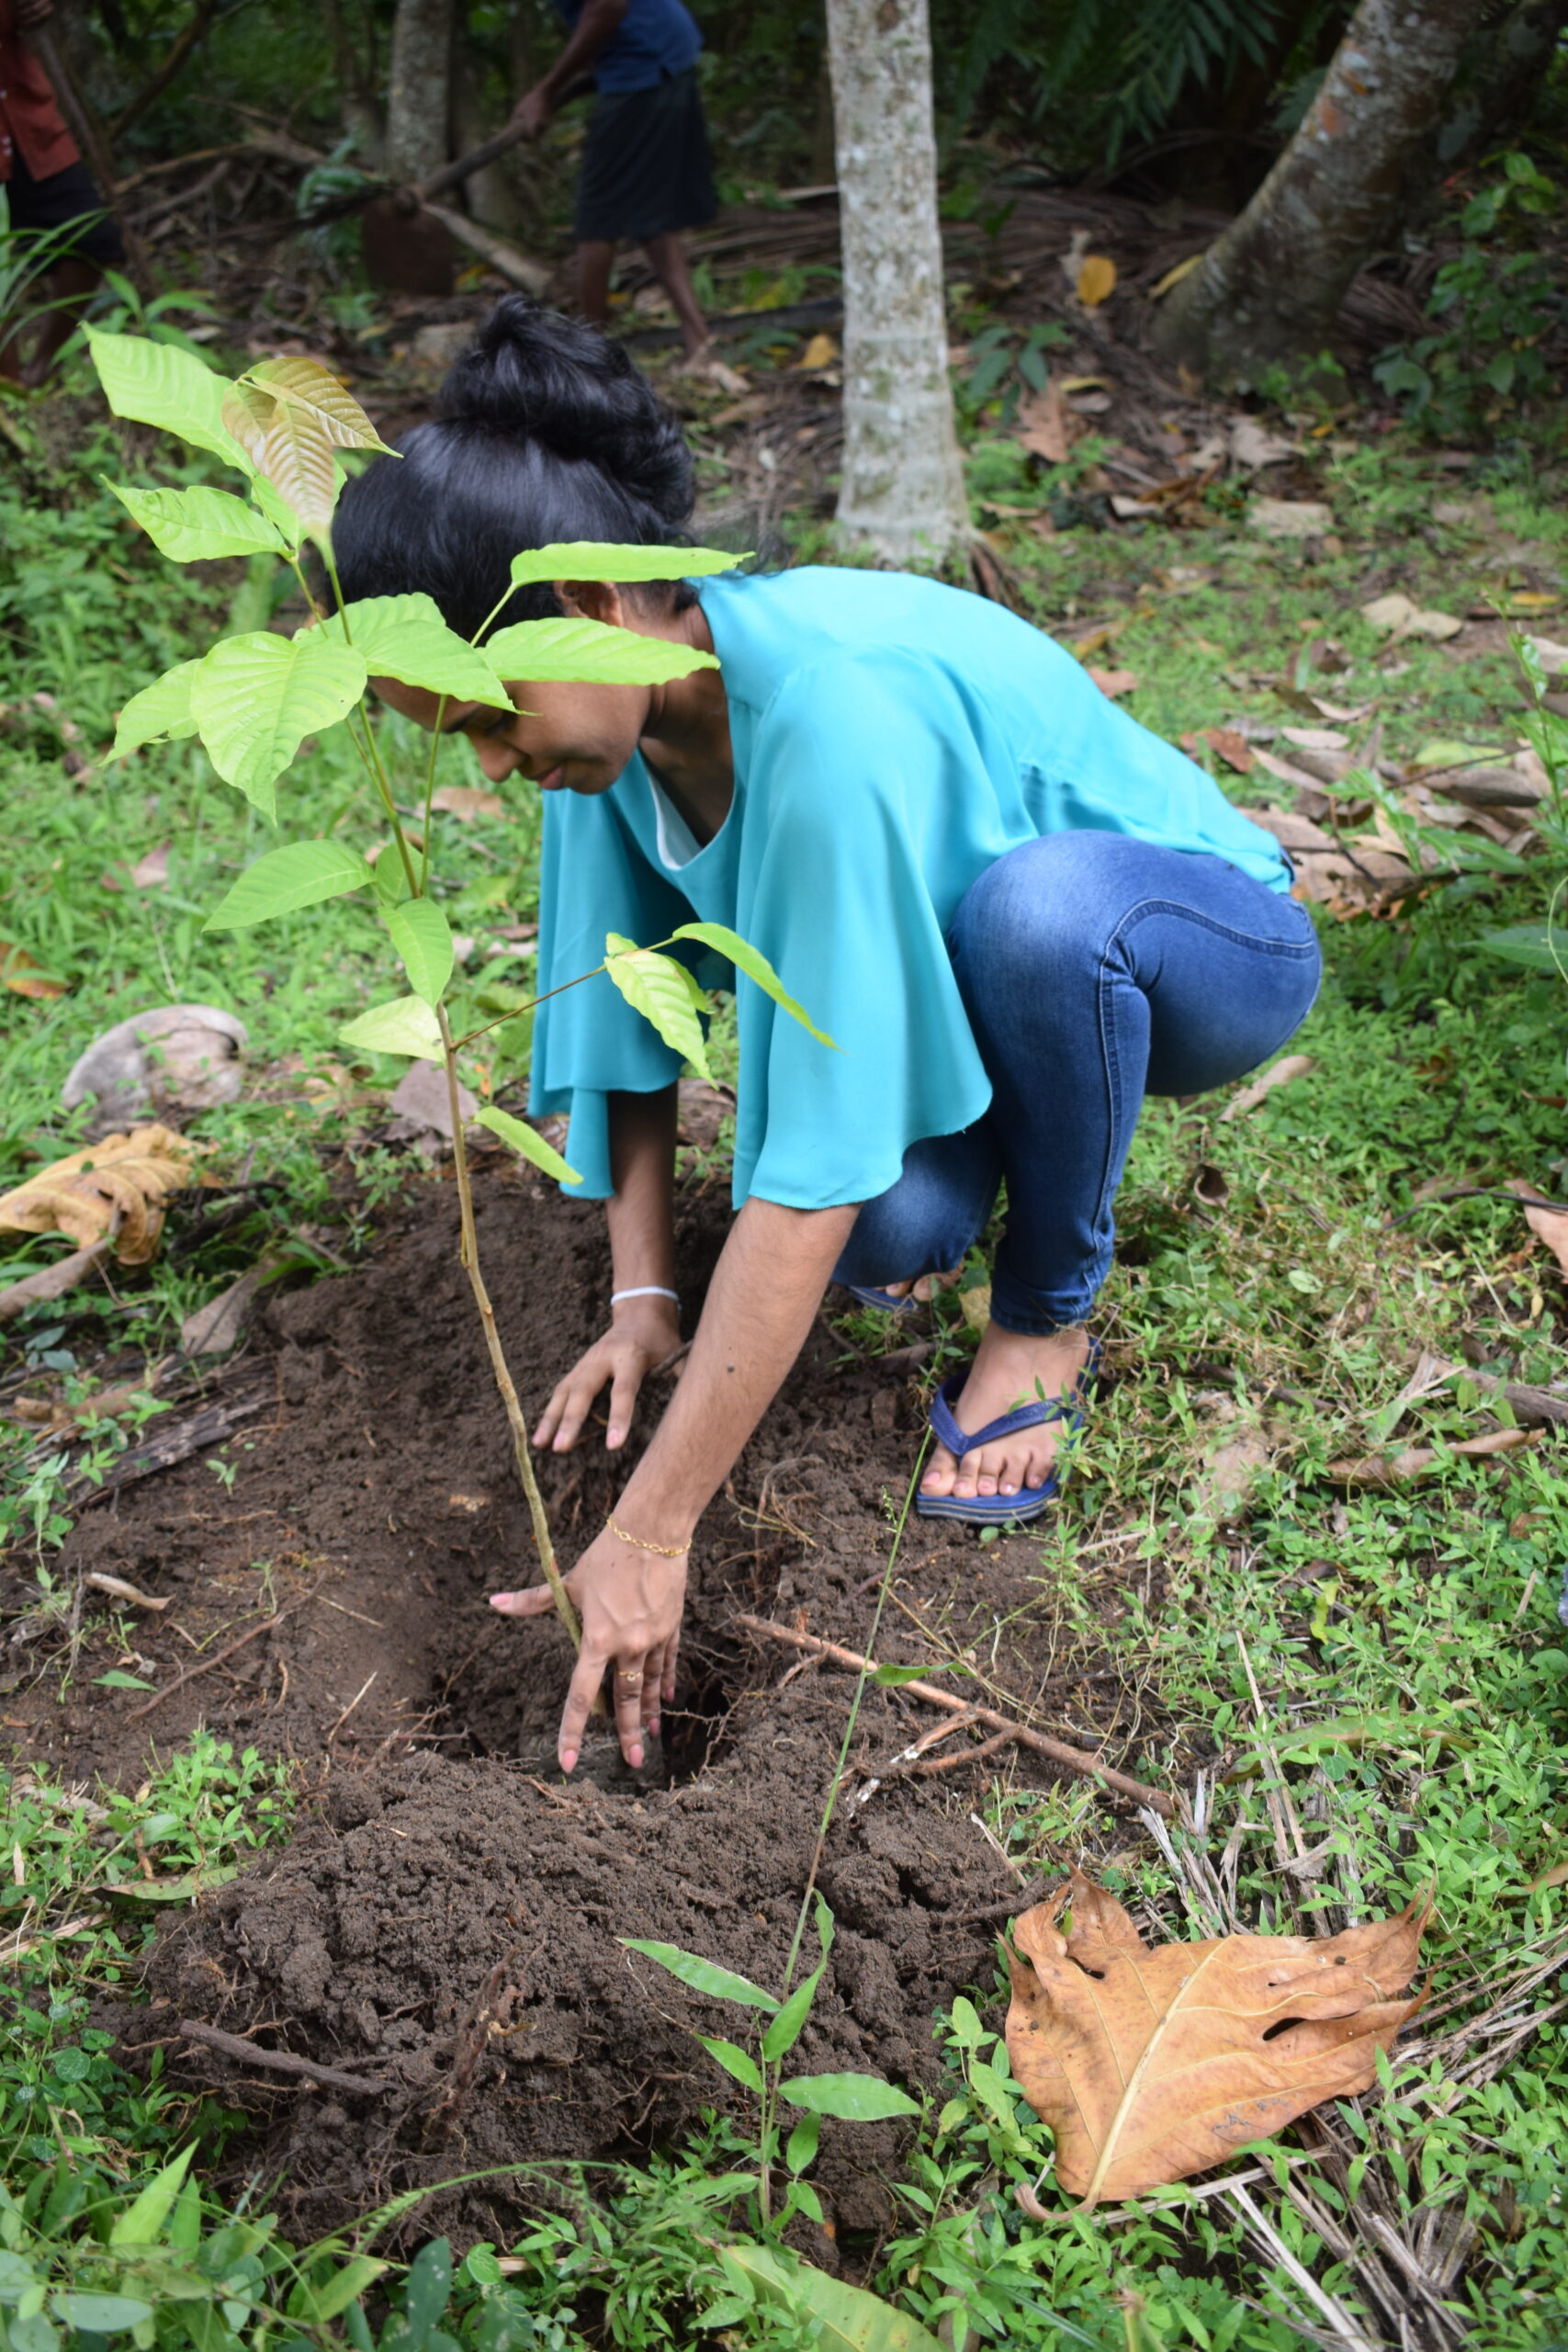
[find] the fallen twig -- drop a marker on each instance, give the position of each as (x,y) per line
(53,1282)
(267,1626)
(1072,1759)
(282,2062)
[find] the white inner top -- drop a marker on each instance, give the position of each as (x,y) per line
(677,842)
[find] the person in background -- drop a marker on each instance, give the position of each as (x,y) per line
(47,186)
(646,175)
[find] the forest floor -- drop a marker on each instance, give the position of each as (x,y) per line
(1305,1581)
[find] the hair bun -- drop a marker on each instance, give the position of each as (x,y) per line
(533,374)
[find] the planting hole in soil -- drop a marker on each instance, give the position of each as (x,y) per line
(447,1924)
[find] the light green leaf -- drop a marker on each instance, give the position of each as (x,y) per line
(157,384)
(361,2271)
(530,1143)
(858,2098)
(407,1025)
(140,2222)
(801,2147)
(589,653)
(306,384)
(995,2092)
(193,525)
(286,880)
(1539,947)
(703,1976)
(756,967)
(422,937)
(405,638)
(104,2314)
(844,2318)
(891,1677)
(735,2061)
(662,990)
(184,2230)
(392,882)
(784,2031)
(256,698)
(968,2030)
(824,1928)
(600,559)
(160,710)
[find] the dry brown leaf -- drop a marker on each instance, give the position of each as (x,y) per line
(1097,279)
(1115,682)
(23,975)
(51,1281)
(1549,1226)
(1230,747)
(114,1189)
(820,351)
(1418,1462)
(467,801)
(1292,1066)
(1043,423)
(1150,2067)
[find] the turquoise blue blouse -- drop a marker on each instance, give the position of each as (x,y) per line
(892,739)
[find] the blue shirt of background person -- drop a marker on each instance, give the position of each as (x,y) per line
(655,37)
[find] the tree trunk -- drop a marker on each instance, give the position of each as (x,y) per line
(1495,101)
(355,82)
(419,90)
(902,491)
(1268,290)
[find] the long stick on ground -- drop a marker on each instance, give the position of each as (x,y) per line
(1072,1759)
(281,2062)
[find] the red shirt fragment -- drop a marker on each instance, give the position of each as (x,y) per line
(30,122)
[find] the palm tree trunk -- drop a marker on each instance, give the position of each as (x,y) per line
(1268,290)
(902,491)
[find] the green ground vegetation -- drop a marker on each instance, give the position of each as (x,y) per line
(1365,1686)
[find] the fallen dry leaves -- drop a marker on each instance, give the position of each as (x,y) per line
(1097,279)
(1151,2065)
(467,801)
(1113,683)
(1043,425)
(1549,1226)
(114,1190)
(23,975)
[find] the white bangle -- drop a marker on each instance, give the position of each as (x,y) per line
(645,1290)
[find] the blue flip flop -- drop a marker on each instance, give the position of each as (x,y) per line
(1000,1510)
(883,1301)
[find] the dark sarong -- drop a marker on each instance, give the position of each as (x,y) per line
(646,170)
(61,199)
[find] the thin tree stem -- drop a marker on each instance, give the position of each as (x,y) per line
(503,1380)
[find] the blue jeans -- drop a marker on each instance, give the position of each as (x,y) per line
(1095,969)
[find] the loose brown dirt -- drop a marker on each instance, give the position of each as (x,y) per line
(447,1924)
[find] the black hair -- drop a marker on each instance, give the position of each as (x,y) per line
(543,431)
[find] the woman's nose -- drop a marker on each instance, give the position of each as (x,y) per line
(497,758)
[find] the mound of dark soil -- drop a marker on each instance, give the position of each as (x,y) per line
(447,1923)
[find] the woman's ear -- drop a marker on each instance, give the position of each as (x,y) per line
(591,600)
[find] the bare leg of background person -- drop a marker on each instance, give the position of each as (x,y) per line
(52,306)
(668,256)
(595,261)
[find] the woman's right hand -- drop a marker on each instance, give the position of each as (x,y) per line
(644,1333)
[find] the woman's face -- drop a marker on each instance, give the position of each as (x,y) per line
(562,738)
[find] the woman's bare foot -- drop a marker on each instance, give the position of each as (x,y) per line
(926,1287)
(1011,1369)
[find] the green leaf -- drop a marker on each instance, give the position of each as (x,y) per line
(662,990)
(286,880)
(968,2030)
(1529,944)
(407,1025)
(994,2092)
(183,1889)
(256,698)
(843,2318)
(184,2230)
(405,638)
(118,1679)
(857,2098)
(756,967)
(428,2287)
(104,2314)
(422,937)
(703,1976)
(891,1677)
(159,384)
(801,2146)
(161,709)
(530,1143)
(784,2031)
(193,525)
(824,1927)
(601,559)
(589,653)
(140,2222)
(735,2061)
(387,873)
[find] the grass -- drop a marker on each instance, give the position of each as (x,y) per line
(1364,1690)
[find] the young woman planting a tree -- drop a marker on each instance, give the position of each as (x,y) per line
(1016,911)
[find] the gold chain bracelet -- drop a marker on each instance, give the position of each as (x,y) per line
(665,1551)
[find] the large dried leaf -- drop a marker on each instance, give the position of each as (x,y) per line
(123,1180)
(1150,2067)
(23,975)
(1549,1226)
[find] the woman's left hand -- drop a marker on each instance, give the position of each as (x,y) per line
(630,1603)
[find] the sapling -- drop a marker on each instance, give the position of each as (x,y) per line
(254,698)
